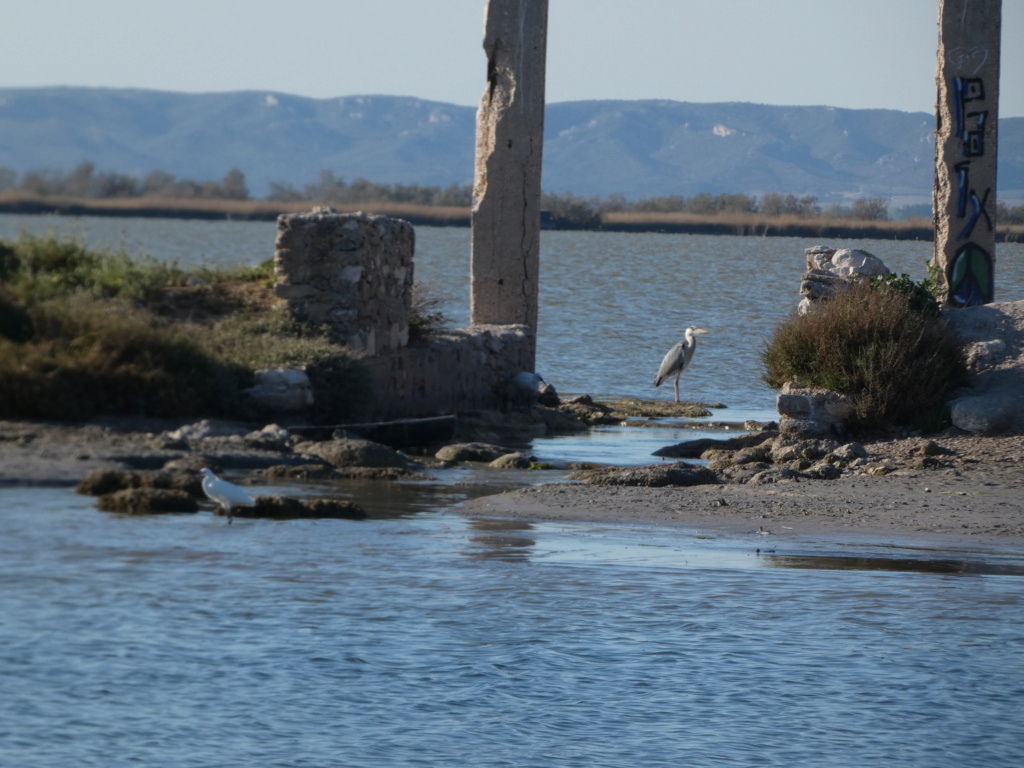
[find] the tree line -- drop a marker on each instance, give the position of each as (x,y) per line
(571,208)
(85,181)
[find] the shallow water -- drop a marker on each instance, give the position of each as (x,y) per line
(431,639)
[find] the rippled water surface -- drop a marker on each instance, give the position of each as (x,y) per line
(437,640)
(424,638)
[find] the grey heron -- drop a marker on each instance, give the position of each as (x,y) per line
(225,494)
(678,358)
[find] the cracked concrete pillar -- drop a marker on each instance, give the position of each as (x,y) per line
(506,189)
(967,113)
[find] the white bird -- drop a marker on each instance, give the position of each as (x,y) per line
(225,494)
(678,358)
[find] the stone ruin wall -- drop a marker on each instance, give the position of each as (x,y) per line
(350,273)
(353,273)
(456,371)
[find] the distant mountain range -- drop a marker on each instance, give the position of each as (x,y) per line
(638,149)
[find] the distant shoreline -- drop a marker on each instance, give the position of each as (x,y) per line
(223,210)
(421,215)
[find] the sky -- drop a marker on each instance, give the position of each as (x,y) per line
(862,54)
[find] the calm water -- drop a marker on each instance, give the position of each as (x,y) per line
(423,638)
(433,640)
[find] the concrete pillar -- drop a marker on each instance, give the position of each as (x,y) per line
(965,148)
(509,144)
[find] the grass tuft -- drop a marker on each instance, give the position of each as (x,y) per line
(426,317)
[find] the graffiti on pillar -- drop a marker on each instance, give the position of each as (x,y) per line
(968,205)
(969,273)
(970,276)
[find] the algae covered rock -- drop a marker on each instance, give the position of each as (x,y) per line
(353,452)
(653,476)
(482,452)
(105,481)
(287,508)
(147,501)
(516,460)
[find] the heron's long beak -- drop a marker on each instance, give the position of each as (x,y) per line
(699,330)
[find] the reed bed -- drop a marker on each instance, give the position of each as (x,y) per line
(14,201)
(728,223)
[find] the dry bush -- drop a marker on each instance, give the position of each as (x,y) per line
(897,362)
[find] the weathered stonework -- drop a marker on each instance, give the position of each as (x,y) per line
(830,271)
(965,148)
(994,339)
(812,412)
(281,390)
(455,371)
(352,273)
(506,188)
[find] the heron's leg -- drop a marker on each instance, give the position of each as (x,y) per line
(677,388)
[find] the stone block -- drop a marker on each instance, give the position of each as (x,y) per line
(812,411)
(455,371)
(802,427)
(281,390)
(848,261)
(830,271)
(985,414)
(982,355)
(817,256)
(793,405)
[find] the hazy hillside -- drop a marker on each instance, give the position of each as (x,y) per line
(636,148)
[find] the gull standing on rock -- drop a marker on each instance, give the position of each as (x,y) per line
(678,358)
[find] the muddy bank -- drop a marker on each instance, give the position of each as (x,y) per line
(58,454)
(973,497)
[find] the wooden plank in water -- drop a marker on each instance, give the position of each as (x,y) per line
(402,433)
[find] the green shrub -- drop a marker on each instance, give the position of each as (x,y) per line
(342,390)
(91,357)
(15,322)
(935,282)
(919,296)
(36,268)
(10,263)
(879,343)
(258,273)
(86,333)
